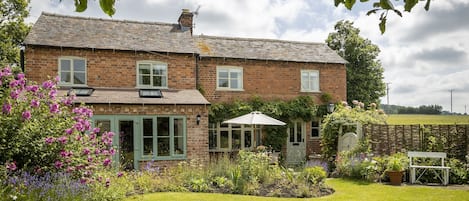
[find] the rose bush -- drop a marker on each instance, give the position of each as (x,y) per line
(41,132)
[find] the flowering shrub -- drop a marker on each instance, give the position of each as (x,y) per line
(41,132)
(344,115)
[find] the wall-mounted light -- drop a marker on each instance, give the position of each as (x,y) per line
(330,107)
(197,119)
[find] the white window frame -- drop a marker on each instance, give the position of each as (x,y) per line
(151,63)
(310,81)
(230,128)
(318,128)
(231,69)
(72,71)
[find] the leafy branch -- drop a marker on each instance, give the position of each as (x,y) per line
(383,7)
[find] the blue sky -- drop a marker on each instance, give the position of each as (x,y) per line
(424,54)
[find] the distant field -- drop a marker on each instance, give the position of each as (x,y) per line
(427,119)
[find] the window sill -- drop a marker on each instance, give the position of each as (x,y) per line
(72,85)
(303,91)
(226,89)
(163,158)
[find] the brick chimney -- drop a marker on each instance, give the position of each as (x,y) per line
(185,20)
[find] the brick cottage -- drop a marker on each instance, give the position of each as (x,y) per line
(141,80)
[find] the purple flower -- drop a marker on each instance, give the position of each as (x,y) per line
(86,151)
(47,84)
(32,88)
(54,108)
(69,131)
(106,162)
(15,93)
(90,159)
(96,130)
(53,94)
(26,115)
(35,103)
(58,164)
(67,101)
(120,174)
(14,83)
(6,109)
(62,140)
(20,76)
(49,140)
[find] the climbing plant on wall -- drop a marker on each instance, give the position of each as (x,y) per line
(302,107)
(345,114)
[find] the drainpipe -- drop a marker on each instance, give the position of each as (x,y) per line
(197,83)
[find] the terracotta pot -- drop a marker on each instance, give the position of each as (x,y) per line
(395,177)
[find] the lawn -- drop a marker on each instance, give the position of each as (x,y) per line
(427,119)
(345,190)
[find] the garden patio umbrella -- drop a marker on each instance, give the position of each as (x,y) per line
(255,118)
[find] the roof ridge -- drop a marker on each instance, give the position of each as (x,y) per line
(103,19)
(258,39)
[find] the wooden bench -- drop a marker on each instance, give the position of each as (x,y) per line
(441,171)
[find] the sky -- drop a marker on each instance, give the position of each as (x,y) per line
(425,55)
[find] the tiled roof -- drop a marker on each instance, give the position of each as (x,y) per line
(80,32)
(131,96)
(266,49)
(68,31)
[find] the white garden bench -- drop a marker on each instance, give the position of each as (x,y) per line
(441,171)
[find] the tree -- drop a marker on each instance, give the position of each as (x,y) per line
(13,30)
(364,71)
(384,6)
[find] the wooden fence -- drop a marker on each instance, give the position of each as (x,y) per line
(388,139)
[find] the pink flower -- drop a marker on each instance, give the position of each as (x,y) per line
(86,151)
(6,109)
(54,108)
(53,94)
(58,164)
(106,162)
(20,76)
(26,115)
(35,103)
(120,174)
(47,84)
(108,182)
(11,166)
(69,131)
(14,94)
(62,140)
(96,130)
(49,140)
(32,88)
(14,83)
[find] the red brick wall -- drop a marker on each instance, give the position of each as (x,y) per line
(271,79)
(108,68)
(197,135)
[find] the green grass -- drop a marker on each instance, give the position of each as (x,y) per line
(345,190)
(407,119)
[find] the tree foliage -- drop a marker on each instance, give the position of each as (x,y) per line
(364,71)
(107,6)
(13,29)
(383,7)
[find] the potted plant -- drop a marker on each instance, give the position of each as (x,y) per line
(395,167)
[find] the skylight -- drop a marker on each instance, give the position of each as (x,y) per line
(150,93)
(81,91)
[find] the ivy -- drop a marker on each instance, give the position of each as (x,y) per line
(302,107)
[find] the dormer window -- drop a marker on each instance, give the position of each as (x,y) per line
(72,71)
(152,74)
